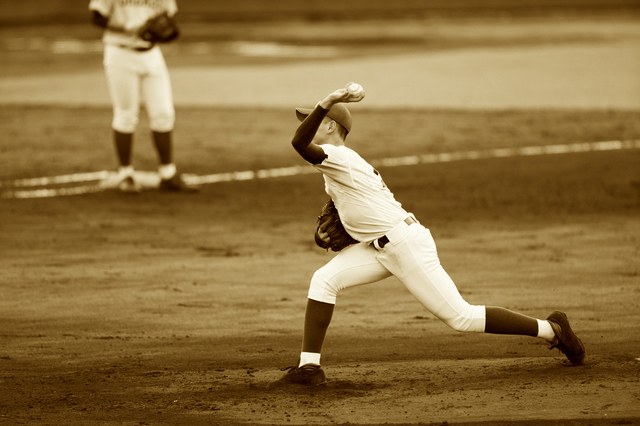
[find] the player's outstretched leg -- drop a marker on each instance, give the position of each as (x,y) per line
(307,375)
(566,340)
(555,330)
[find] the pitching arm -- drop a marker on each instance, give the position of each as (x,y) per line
(302,140)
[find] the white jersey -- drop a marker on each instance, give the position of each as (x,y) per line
(367,208)
(129,14)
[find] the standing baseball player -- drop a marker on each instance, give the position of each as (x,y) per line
(136,72)
(384,240)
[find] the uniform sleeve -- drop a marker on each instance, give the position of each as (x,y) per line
(101,6)
(334,156)
(336,165)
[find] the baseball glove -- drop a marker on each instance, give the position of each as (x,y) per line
(159,29)
(329,223)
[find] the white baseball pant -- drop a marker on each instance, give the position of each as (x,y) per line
(133,77)
(410,256)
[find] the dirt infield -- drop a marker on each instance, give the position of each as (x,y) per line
(167,309)
(177,309)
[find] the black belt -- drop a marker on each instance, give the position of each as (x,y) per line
(382,241)
(138,49)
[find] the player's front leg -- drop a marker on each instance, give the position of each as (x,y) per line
(308,372)
(353,266)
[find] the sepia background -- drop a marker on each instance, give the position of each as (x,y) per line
(511,129)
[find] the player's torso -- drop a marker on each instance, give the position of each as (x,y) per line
(367,207)
(122,13)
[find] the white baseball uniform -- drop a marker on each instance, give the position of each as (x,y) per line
(136,70)
(369,211)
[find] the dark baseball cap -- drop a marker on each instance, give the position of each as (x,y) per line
(338,113)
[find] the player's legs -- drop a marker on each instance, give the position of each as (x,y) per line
(158,99)
(123,80)
(123,71)
(164,147)
(355,265)
(317,317)
(414,260)
(124,145)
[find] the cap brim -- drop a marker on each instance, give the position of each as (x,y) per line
(302,113)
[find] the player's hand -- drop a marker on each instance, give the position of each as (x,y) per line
(346,95)
(354,92)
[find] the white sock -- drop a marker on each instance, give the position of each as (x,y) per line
(545,331)
(309,358)
(125,171)
(166,171)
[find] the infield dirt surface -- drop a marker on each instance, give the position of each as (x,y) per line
(163,309)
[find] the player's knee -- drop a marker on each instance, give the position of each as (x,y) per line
(162,121)
(125,121)
(323,288)
(459,323)
(470,319)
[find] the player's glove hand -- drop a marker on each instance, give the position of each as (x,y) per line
(159,29)
(330,233)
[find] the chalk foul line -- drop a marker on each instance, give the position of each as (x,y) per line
(91,182)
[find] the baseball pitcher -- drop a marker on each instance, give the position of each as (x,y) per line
(384,240)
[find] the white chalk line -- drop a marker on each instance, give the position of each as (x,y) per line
(105,180)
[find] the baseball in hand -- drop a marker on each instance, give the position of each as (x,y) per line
(354,88)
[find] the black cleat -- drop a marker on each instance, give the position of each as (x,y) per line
(176,184)
(307,375)
(566,340)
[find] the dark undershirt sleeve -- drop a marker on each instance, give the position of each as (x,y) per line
(304,135)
